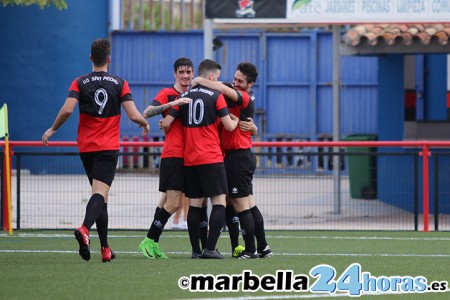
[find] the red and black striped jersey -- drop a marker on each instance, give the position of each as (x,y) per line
(100,95)
(200,119)
(174,139)
(243,109)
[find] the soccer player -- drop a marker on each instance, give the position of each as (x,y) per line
(203,160)
(100,95)
(243,80)
(240,162)
(171,176)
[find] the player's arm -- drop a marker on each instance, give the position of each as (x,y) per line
(230,122)
(152,110)
(249,126)
(228,92)
(64,113)
(166,122)
(135,116)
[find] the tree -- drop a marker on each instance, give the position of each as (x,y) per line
(59,4)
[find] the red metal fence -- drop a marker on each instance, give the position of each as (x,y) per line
(275,181)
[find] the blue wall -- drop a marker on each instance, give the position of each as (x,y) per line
(145,60)
(436,87)
(42,51)
(391,125)
(293,89)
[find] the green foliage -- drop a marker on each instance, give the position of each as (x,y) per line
(59,4)
(134,23)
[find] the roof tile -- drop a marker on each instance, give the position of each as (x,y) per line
(390,34)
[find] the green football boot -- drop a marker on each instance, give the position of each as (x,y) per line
(238,250)
(146,247)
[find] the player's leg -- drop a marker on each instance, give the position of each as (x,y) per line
(102,229)
(204,222)
(160,220)
(194,193)
(263,247)
(172,183)
(242,207)
(216,223)
(162,201)
(104,171)
(100,169)
(214,185)
(176,219)
(184,209)
(193,220)
(240,166)
(232,222)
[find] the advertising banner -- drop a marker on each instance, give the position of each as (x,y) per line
(368,11)
(332,11)
(216,9)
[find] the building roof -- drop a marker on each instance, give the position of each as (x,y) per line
(365,39)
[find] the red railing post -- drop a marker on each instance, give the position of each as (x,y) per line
(126,159)
(135,159)
(425,180)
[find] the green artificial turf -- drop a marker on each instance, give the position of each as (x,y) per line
(46,265)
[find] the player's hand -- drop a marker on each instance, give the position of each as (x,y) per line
(47,135)
(246,125)
(249,125)
(145,129)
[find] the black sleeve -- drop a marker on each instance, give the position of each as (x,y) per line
(239,99)
(174,112)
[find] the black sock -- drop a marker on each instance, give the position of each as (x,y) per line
(260,232)
(203,226)
(158,224)
(216,223)
(93,210)
(102,226)
(232,221)
(156,211)
(193,220)
(248,230)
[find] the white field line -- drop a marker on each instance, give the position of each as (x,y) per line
(57,235)
(49,235)
(276,254)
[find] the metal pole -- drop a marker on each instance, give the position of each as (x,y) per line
(336,118)
(115,22)
(425,183)
(208,39)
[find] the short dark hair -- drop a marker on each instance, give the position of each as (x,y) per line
(249,70)
(182,62)
(207,66)
(100,50)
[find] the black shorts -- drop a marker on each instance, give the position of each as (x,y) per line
(205,180)
(171,174)
(100,165)
(240,166)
